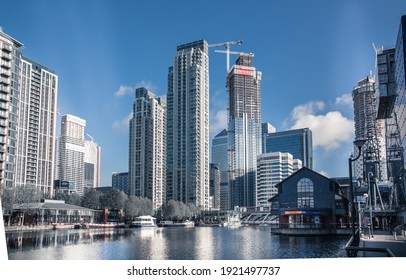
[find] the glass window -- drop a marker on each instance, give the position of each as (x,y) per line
(305,198)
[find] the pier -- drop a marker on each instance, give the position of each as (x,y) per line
(381,244)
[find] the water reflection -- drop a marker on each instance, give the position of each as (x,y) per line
(202,243)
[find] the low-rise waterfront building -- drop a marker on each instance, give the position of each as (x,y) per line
(309,203)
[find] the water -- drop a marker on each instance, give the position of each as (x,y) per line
(198,243)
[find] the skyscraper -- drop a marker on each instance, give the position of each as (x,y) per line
(10,67)
(266,129)
(214,186)
(92,164)
(298,142)
(400,76)
(272,169)
(71,152)
(28,98)
(368,127)
(35,152)
(147,164)
(219,154)
(244,130)
(188,125)
(119,180)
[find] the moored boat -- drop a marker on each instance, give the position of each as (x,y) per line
(176,224)
(143,221)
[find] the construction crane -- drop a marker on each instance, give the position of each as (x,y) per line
(231,52)
(91,138)
(227,46)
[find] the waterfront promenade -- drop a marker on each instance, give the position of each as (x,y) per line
(383,239)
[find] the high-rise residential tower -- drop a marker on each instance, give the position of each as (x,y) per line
(147,157)
(298,142)
(10,67)
(272,168)
(244,130)
(188,125)
(71,152)
(371,129)
(28,98)
(35,151)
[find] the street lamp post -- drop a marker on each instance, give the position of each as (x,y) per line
(370,203)
(359,144)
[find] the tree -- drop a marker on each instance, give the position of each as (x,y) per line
(74,199)
(113,199)
(91,199)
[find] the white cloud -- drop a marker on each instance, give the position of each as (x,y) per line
(329,130)
(124,90)
(218,122)
(130,90)
(123,124)
(146,84)
(345,99)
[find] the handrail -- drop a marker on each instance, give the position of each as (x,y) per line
(349,249)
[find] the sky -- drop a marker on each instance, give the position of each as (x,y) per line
(311,54)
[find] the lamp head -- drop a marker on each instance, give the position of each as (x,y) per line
(359,142)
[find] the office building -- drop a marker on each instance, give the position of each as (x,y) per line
(36,129)
(71,152)
(10,63)
(272,168)
(371,129)
(214,186)
(266,129)
(298,142)
(400,76)
(92,163)
(188,125)
(146,169)
(244,130)
(119,180)
(219,154)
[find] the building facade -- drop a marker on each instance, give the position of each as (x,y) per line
(147,156)
(214,186)
(92,164)
(219,154)
(244,130)
(266,129)
(368,127)
(28,100)
(10,67)
(36,130)
(298,142)
(119,180)
(400,76)
(272,168)
(71,152)
(188,125)
(308,203)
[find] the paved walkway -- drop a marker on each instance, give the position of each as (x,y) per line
(383,239)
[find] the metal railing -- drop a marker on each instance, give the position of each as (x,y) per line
(352,247)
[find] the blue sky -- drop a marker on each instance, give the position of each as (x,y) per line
(311,54)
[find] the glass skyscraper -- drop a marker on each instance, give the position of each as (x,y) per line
(188,125)
(298,142)
(219,154)
(244,130)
